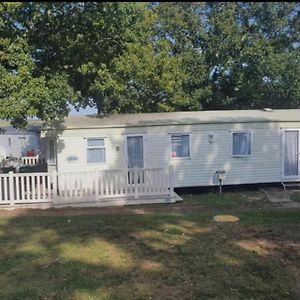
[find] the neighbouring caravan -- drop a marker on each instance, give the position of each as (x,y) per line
(247,146)
(17,143)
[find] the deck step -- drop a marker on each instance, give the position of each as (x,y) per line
(293,184)
(59,202)
(112,202)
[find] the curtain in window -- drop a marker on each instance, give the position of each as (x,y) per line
(241,143)
(180,146)
(135,151)
(95,143)
(95,151)
(291,153)
(51,151)
(96,155)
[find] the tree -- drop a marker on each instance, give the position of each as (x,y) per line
(82,40)
(145,57)
(24,94)
(181,24)
(250,49)
(163,69)
(237,55)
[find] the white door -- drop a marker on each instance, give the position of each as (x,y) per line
(291,153)
(135,152)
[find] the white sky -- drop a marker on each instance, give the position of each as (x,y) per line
(82,112)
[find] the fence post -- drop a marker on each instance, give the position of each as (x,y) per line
(135,176)
(54,177)
(96,177)
(171,180)
(11,187)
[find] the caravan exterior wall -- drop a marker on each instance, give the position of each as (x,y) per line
(16,145)
(210,149)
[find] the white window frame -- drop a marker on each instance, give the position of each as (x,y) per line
(52,163)
(282,153)
(144,136)
(190,144)
(251,143)
(95,147)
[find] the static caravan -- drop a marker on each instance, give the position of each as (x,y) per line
(247,146)
(16,143)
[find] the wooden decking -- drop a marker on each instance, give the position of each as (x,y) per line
(79,189)
(75,202)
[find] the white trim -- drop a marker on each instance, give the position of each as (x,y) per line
(282,153)
(95,147)
(52,163)
(135,134)
(94,137)
(180,133)
(291,177)
(126,150)
(251,143)
(190,146)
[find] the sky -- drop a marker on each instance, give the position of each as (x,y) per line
(82,112)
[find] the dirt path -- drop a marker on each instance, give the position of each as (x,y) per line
(280,197)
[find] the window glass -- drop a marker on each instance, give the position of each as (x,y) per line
(241,143)
(96,151)
(180,145)
(52,151)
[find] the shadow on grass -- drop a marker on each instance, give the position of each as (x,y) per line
(162,256)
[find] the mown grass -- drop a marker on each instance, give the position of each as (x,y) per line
(295,196)
(165,254)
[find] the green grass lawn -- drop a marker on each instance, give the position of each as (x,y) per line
(166,252)
(295,196)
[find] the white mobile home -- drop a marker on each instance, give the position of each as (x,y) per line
(251,146)
(16,143)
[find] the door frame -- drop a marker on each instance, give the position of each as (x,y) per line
(291,177)
(126,150)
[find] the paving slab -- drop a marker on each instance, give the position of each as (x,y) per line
(281,197)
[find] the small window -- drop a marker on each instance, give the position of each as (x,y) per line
(96,151)
(52,158)
(241,144)
(180,146)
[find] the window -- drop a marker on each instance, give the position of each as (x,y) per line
(241,143)
(180,146)
(52,158)
(96,151)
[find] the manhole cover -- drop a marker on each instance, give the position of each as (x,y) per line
(226,218)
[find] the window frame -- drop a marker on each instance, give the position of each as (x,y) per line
(145,141)
(251,143)
(50,162)
(95,147)
(190,144)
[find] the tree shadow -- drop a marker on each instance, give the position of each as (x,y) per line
(162,256)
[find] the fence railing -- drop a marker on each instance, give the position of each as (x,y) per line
(20,188)
(32,160)
(17,188)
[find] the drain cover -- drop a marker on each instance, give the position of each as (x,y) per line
(226,218)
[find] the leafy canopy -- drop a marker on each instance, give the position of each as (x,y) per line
(146,57)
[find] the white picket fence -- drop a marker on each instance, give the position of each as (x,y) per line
(32,160)
(22,188)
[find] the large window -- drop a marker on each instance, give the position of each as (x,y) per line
(96,151)
(241,143)
(180,145)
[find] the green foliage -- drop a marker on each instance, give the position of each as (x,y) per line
(152,79)
(145,57)
(23,92)
(249,47)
